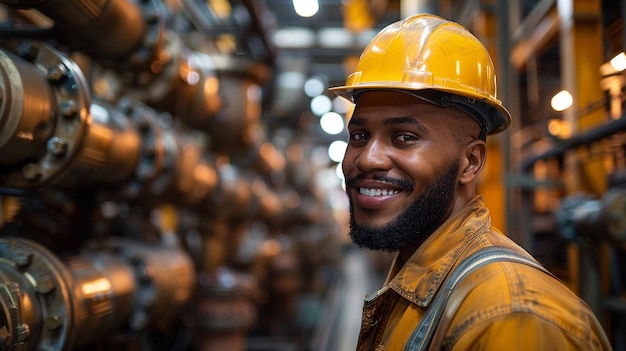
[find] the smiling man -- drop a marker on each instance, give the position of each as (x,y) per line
(425,101)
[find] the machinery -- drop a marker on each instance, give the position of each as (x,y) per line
(142,205)
(146,205)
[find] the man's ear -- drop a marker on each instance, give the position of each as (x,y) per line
(472,161)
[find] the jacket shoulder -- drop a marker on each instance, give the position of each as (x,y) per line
(509,298)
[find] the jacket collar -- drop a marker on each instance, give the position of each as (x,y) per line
(425,271)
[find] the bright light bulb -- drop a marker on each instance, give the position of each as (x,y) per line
(619,62)
(306,8)
(562,100)
(332,123)
(336,150)
(314,86)
(559,128)
(321,104)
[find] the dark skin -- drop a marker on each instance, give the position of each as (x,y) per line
(399,146)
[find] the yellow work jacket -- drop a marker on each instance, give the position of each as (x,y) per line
(500,306)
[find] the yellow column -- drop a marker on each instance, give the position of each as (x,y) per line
(490,185)
(581,44)
(581,40)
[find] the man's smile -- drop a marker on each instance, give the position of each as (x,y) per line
(377,192)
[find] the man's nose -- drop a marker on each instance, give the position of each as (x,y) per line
(374,156)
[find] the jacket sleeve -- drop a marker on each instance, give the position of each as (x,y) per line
(509,306)
(525,331)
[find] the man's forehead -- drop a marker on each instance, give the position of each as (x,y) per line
(393,107)
(392,100)
(382,104)
(387,119)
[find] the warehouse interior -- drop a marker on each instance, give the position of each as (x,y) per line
(169,168)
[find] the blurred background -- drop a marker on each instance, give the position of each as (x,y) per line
(170,170)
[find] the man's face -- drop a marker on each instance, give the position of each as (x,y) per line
(401,168)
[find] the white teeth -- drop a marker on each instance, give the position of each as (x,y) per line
(377,192)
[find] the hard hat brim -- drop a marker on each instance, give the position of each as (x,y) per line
(501,118)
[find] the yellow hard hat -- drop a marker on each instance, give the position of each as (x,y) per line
(425,53)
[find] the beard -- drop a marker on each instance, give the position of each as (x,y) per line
(416,223)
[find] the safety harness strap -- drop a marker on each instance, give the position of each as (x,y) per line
(422,335)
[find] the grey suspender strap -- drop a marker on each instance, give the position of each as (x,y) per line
(422,335)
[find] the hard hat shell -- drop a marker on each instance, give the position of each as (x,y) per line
(427,52)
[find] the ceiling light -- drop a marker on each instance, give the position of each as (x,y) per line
(619,61)
(290,80)
(561,100)
(321,104)
(336,150)
(332,123)
(559,128)
(314,86)
(294,38)
(334,37)
(306,8)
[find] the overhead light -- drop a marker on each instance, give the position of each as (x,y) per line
(294,38)
(616,65)
(291,80)
(335,37)
(336,150)
(306,8)
(561,100)
(321,104)
(619,62)
(332,123)
(559,128)
(314,86)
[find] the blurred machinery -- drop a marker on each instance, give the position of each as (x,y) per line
(145,205)
(556,181)
(583,235)
(567,173)
(142,204)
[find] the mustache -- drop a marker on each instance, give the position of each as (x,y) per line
(401,183)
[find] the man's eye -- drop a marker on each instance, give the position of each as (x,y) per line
(406,137)
(358,136)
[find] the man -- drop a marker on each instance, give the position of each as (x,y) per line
(425,100)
